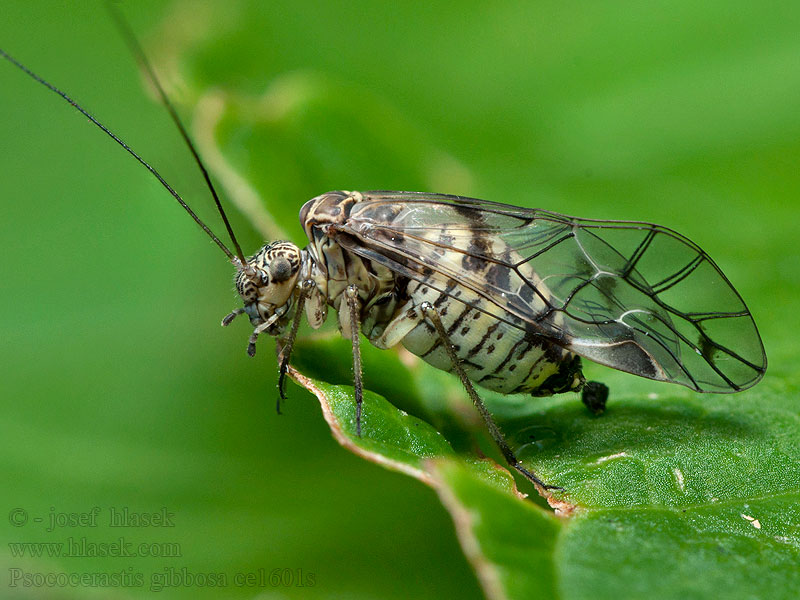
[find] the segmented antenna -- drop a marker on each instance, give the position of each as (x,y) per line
(136,49)
(127,148)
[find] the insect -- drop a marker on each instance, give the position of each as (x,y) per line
(507,298)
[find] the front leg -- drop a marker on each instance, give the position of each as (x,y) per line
(286,350)
(251,346)
(232,315)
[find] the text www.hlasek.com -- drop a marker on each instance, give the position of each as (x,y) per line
(83,548)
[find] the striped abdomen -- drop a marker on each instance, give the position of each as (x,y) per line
(494,354)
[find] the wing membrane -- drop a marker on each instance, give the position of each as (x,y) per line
(633,296)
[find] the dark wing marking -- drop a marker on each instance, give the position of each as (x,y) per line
(633,296)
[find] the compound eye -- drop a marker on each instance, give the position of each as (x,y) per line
(280,269)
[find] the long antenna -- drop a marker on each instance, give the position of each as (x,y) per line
(127,148)
(136,49)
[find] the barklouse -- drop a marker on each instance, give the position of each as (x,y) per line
(506,298)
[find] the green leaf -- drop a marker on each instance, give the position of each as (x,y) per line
(511,544)
(670,501)
(393,438)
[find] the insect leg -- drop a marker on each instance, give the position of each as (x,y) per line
(354,305)
(408,318)
(231,316)
(433,316)
(288,345)
(594,395)
(251,346)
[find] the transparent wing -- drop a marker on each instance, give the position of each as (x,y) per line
(633,296)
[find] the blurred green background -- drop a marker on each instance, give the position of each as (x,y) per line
(119,388)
